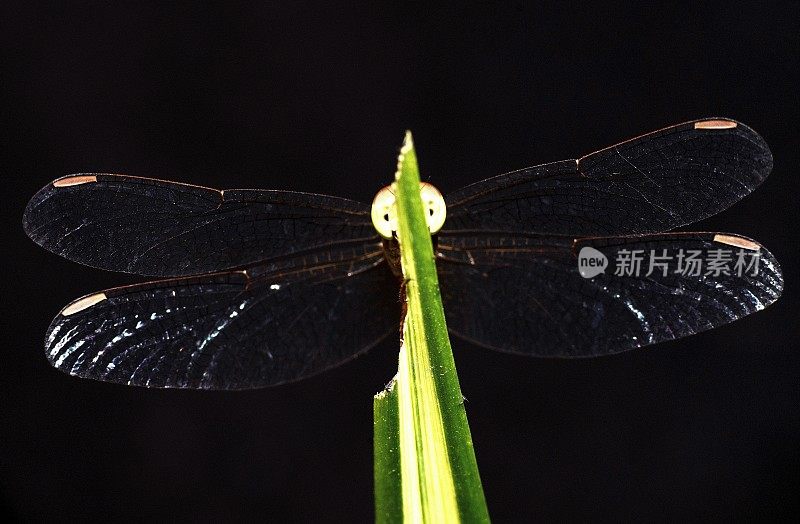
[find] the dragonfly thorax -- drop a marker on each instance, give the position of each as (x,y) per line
(384,209)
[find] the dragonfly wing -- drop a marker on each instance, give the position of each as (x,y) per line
(525,294)
(653,183)
(159,228)
(232,330)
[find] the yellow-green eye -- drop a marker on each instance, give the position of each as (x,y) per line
(384,209)
(435,210)
(384,212)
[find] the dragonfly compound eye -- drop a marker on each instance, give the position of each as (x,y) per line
(384,212)
(384,209)
(435,210)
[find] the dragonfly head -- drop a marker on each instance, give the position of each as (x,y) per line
(384,209)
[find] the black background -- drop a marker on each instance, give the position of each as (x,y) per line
(313,98)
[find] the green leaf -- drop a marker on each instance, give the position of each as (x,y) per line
(388,498)
(425,467)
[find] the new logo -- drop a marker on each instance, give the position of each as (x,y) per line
(591,262)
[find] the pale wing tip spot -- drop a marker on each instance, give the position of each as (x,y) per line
(737,242)
(715,124)
(83,303)
(75,180)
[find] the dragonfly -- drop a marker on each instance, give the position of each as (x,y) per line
(256,288)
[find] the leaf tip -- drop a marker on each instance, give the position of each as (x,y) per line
(408,143)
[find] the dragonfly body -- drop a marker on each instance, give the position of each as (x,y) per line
(391,251)
(262,287)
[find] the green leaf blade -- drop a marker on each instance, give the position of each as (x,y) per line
(439,479)
(386,436)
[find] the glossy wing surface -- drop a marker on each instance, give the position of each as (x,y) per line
(653,183)
(525,294)
(275,323)
(159,228)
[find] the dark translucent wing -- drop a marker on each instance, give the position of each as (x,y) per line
(524,294)
(276,323)
(159,228)
(649,184)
